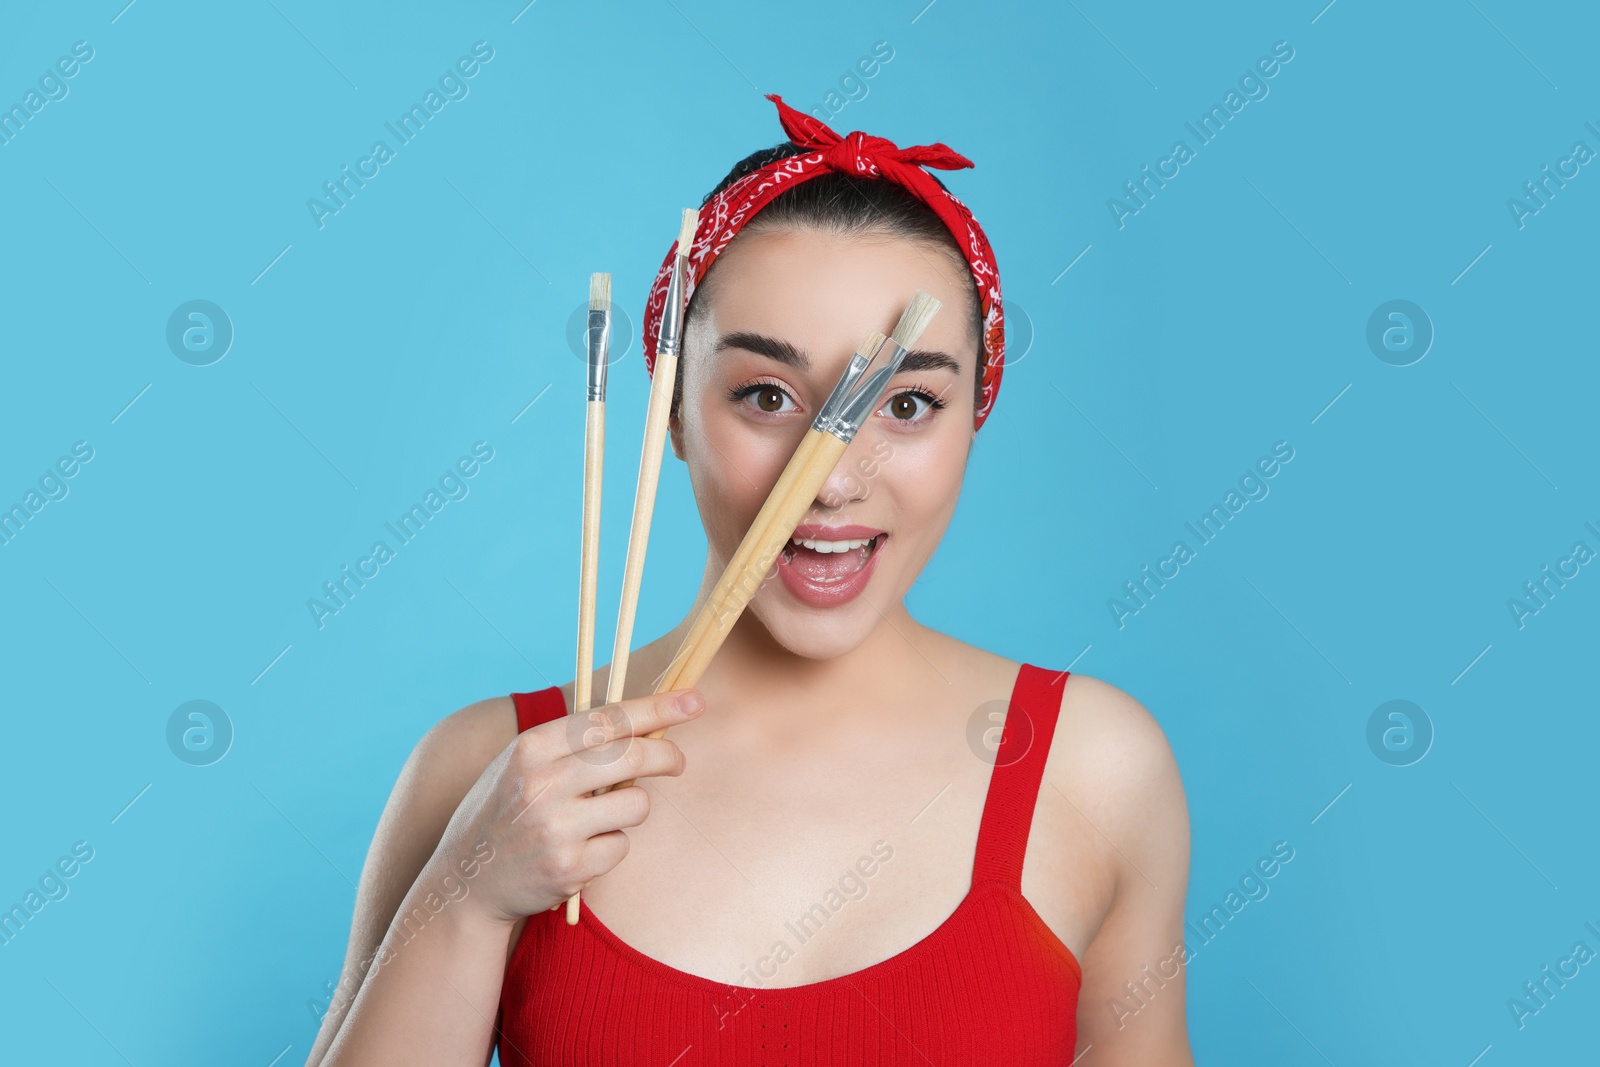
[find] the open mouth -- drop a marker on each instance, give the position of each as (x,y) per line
(825,562)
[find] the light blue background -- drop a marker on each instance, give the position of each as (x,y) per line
(1225,316)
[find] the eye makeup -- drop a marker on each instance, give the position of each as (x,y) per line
(738,393)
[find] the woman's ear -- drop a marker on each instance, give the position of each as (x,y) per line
(675,434)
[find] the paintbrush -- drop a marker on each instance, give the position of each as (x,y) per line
(594,438)
(854,398)
(644,497)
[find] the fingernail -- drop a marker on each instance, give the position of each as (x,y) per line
(690,702)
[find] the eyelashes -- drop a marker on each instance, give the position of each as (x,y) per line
(739,393)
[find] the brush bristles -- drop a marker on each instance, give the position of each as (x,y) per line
(599,291)
(870,344)
(917,315)
(691,219)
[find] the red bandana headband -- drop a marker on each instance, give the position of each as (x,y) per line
(860,154)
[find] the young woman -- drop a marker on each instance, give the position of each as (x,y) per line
(837,856)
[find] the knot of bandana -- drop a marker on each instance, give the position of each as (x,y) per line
(862,155)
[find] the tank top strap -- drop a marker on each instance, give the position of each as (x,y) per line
(1018,770)
(539,706)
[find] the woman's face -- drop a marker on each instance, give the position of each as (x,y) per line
(786,310)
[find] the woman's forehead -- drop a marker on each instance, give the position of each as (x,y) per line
(820,293)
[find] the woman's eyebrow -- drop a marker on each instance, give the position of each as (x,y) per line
(923,359)
(762,345)
(776,348)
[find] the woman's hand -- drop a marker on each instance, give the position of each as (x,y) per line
(546,836)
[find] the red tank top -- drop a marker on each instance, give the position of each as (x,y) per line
(992,984)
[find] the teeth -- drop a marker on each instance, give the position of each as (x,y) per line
(833,546)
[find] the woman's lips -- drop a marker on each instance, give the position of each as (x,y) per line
(827,579)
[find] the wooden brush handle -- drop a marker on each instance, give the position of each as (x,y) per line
(794,493)
(745,557)
(594,439)
(644,504)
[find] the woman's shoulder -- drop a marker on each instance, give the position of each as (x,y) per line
(476,725)
(444,765)
(1102,734)
(1109,714)
(450,756)
(1111,757)
(1107,746)
(1099,714)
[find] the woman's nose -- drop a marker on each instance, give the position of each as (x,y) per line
(849,482)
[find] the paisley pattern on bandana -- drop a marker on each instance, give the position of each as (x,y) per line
(858,154)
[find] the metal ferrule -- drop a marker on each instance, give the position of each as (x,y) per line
(599,346)
(865,398)
(836,400)
(672,314)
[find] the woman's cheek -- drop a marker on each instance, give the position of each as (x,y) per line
(929,473)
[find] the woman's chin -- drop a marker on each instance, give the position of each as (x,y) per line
(814,633)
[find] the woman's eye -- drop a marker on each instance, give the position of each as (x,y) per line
(904,406)
(768,398)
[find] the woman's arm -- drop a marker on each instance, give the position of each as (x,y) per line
(1131,1007)
(441,770)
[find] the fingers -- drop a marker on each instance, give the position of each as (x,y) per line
(594,817)
(632,717)
(578,734)
(603,852)
(571,867)
(621,760)
(576,754)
